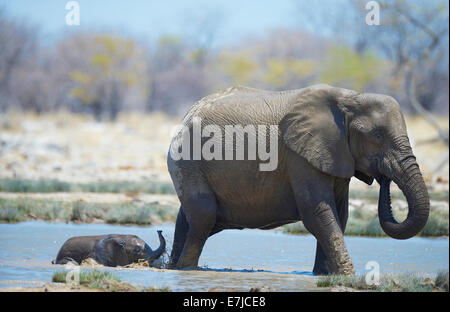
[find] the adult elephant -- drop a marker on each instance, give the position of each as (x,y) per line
(110,250)
(325,136)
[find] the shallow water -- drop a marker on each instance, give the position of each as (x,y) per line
(279,261)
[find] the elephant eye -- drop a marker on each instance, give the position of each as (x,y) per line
(378,134)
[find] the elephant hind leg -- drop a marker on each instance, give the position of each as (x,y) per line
(200,210)
(181,229)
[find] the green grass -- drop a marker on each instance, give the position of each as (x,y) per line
(373,194)
(441,280)
(151,187)
(103,280)
(91,279)
(362,222)
(51,186)
(404,282)
(22,209)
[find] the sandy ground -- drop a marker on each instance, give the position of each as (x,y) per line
(50,287)
(38,286)
(75,148)
(61,287)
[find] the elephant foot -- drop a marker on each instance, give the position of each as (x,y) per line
(181,266)
(185,265)
(171,266)
(346,269)
(343,269)
(340,262)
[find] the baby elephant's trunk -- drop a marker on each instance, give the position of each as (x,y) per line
(161,249)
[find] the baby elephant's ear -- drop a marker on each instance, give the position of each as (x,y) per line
(314,128)
(110,251)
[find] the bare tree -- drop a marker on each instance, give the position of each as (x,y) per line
(182,65)
(18,42)
(418,43)
(413,36)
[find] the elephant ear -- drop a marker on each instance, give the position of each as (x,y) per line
(110,251)
(314,128)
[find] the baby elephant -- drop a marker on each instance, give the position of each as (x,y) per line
(109,250)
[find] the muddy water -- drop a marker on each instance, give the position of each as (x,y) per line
(234,259)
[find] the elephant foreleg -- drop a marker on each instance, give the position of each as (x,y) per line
(341,215)
(321,222)
(316,202)
(320,262)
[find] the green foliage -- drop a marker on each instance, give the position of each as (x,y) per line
(280,71)
(102,61)
(343,65)
(110,67)
(197,56)
(240,67)
(245,69)
(169,40)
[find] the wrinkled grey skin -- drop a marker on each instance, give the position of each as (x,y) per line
(326,136)
(110,250)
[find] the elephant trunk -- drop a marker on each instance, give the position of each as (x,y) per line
(161,249)
(410,181)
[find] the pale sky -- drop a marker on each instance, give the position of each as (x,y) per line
(150,19)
